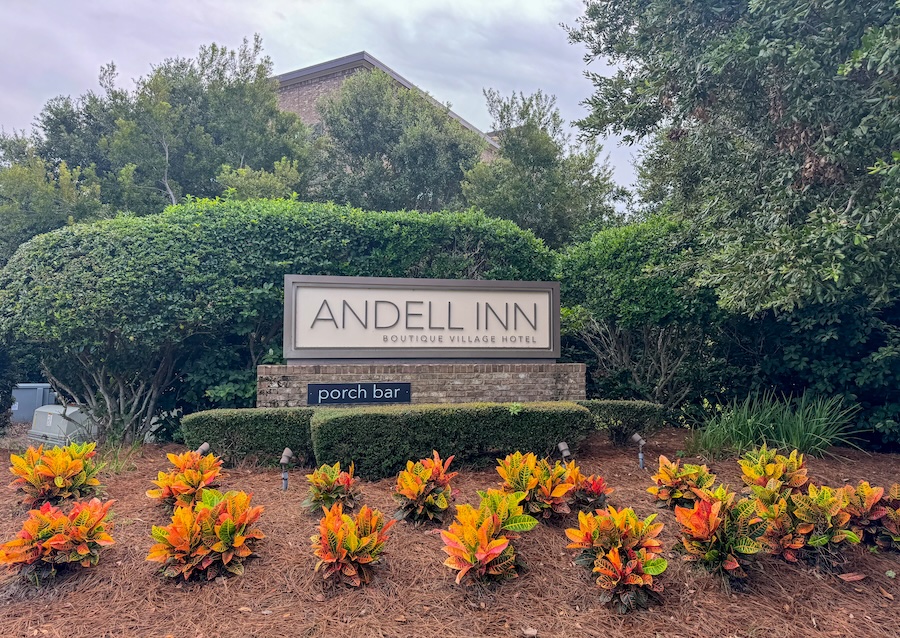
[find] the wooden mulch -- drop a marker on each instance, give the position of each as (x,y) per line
(414,595)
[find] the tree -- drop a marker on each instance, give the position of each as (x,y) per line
(773,126)
(779,119)
(540,180)
(170,135)
(36,197)
(282,182)
(387,147)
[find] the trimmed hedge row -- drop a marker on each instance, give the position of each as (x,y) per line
(623,418)
(379,440)
(260,433)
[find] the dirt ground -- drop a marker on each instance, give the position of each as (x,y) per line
(414,594)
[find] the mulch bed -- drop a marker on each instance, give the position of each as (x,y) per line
(414,595)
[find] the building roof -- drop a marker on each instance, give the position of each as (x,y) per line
(366,61)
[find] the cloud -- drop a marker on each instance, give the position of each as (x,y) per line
(452,49)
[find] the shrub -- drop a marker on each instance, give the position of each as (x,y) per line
(889,530)
(824,519)
(624,553)
(798,525)
(192,473)
(423,489)
(781,537)
(50,538)
(608,529)
(762,465)
(216,534)
(647,331)
(679,485)
(55,474)
(329,485)
(348,548)
(381,439)
(257,433)
(590,492)
(209,322)
(719,532)
(546,488)
(628,584)
(809,423)
(479,541)
(866,507)
(621,419)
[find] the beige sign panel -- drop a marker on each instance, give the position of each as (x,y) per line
(384,318)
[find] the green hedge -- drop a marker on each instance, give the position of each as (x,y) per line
(379,440)
(623,418)
(259,433)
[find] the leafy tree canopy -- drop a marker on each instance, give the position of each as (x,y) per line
(36,197)
(765,117)
(387,147)
(561,191)
(170,135)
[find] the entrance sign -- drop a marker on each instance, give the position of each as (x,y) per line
(385,318)
(343,393)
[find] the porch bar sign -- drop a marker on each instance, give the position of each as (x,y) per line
(328,318)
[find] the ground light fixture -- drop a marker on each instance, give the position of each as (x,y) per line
(638,440)
(564,450)
(286,457)
(203,449)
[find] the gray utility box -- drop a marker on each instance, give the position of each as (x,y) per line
(28,397)
(51,427)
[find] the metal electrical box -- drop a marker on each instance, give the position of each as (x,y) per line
(51,427)
(28,397)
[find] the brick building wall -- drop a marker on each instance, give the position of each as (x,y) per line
(285,386)
(301,97)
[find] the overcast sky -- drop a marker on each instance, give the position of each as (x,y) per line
(451,48)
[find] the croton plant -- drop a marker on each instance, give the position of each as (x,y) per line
(190,474)
(423,491)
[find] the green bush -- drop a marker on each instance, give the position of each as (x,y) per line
(257,433)
(644,330)
(379,440)
(623,418)
(808,423)
(195,294)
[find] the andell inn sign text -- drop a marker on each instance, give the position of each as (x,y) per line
(384,318)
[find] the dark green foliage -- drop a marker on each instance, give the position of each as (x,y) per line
(624,418)
(260,434)
(774,135)
(647,331)
(847,350)
(193,298)
(379,440)
(387,147)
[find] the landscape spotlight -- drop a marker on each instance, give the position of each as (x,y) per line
(286,457)
(564,450)
(640,442)
(204,448)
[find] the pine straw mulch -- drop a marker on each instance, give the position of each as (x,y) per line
(413,594)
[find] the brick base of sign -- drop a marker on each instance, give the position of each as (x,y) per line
(285,386)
